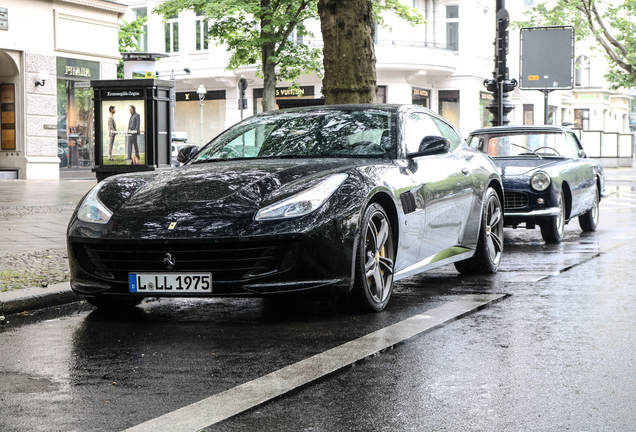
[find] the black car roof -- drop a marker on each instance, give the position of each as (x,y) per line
(521,129)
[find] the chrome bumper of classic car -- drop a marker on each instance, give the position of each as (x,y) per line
(552,211)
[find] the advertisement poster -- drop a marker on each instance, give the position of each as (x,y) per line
(123,134)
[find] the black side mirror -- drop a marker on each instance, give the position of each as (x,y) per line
(186,153)
(432,144)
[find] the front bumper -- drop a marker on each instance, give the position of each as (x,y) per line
(546,212)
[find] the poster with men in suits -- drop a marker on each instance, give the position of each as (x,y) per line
(123,132)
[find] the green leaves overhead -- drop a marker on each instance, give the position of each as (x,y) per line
(245,26)
(609,22)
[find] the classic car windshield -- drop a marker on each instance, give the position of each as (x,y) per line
(527,144)
(326,133)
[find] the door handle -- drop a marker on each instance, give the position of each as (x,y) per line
(465,171)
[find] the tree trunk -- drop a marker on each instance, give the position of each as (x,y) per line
(269,67)
(349,55)
(269,79)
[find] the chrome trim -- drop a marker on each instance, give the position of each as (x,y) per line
(552,211)
(447,256)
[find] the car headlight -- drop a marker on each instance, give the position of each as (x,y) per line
(304,202)
(92,209)
(540,181)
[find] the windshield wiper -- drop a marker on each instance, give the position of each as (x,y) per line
(528,152)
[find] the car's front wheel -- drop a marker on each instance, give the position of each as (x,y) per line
(553,227)
(375,258)
(589,220)
(114,303)
(490,243)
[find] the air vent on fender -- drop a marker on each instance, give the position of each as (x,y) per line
(408,202)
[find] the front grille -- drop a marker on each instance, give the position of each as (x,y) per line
(515,200)
(227,261)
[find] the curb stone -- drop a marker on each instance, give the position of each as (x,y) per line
(29,299)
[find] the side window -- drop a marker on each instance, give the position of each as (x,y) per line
(417,126)
(449,133)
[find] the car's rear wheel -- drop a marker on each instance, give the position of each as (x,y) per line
(375,258)
(490,243)
(553,227)
(108,303)
(589,220)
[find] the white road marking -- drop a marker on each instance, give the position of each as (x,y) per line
(231,402)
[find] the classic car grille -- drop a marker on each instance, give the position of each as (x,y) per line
(227,261)
(515,200)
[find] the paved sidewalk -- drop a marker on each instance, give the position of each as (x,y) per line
(33,220)
(34,216)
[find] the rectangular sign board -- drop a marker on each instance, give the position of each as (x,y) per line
(547,58)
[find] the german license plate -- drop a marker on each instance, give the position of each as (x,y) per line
(170,283)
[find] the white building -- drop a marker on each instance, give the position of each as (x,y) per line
(49,51)
(441,65)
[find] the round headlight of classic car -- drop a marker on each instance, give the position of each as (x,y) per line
(540,181)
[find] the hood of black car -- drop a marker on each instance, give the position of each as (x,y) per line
(509,167)
(230,187)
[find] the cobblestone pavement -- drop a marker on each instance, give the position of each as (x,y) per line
(33,220)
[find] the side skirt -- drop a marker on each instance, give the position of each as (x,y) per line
(447,256)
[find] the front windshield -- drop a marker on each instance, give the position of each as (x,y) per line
(538,144)
(320,133)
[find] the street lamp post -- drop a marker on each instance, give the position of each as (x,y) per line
(201,93)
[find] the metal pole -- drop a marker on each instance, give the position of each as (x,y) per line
(201,138)
(546,92)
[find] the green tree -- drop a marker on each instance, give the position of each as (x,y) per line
(129,34)
(609,22)
(349,52)
(259,32)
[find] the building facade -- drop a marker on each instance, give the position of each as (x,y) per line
(49,52)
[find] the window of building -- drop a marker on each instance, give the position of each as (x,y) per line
(582,119)
(552,115)
(142,42)
(449,106)
(171,31)
(582,71)
(201,28)
(528,114)
(452,27)
(381,94)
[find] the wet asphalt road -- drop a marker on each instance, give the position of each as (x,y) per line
(558,353)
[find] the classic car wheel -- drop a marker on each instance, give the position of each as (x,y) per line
(490,244)
(553,227)
(374,261)
(589,220)
(113,303)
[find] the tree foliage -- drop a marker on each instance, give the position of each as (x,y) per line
(261,33)
(129,34)
(609,22)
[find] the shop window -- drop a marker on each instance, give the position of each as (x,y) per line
(201,28)
(582,71)
(142,42)
(421,97)
(582,119)
(484,114)
(528,114)
(449,106)
(171,32)
(452,27)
